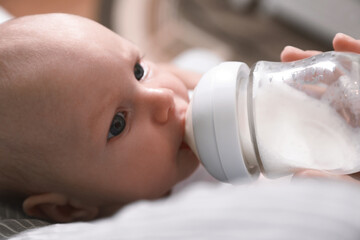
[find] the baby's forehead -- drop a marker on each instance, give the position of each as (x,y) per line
(63,32)
(41,41)
(65,61)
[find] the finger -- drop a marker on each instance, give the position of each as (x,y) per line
(345,43)
(293,54)
(355,176)
(321,174)
(312,174)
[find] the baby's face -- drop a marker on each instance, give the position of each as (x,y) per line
(125,116)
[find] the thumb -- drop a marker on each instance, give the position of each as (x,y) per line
(317,174)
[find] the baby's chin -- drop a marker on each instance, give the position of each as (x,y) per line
(187,161)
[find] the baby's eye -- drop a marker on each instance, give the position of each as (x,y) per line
(117,125)
(138,71)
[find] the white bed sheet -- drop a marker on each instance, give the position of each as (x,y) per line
(4,15)
(301,210)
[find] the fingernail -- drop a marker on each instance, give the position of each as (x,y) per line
(343,35)
(292,48)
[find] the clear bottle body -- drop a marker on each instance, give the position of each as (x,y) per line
(306,114)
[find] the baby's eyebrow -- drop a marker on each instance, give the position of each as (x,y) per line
(94,118)
(142,55)
(132,55)
(137,52)
(99,119)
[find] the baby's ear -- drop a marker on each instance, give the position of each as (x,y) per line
(58,207)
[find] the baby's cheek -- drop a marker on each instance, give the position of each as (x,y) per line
(187,163)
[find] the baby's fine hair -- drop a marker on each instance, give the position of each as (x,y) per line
(17,153)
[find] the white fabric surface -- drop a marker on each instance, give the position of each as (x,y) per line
(4,15)
(197,59)
(303,210)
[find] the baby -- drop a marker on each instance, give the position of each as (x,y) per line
(87,125)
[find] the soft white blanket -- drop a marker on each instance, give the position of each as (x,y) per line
(4,15)
(302,210)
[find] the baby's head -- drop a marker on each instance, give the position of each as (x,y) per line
(86,124)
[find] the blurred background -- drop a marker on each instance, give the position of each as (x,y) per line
(243,30)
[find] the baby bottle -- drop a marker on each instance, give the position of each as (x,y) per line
(277,118)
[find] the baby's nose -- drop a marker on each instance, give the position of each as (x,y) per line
(160,102)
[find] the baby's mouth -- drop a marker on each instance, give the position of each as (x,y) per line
(184,146)
(181,115)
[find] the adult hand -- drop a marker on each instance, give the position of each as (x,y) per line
(341,43)
(310,173)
